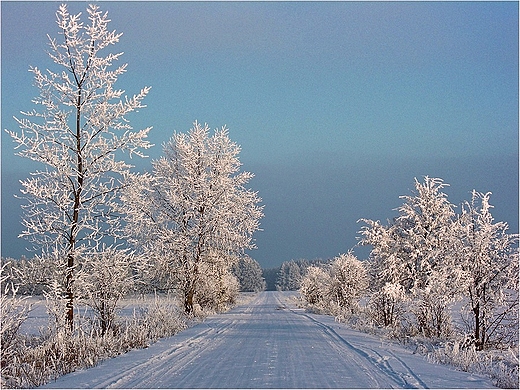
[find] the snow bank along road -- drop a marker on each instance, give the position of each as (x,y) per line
(269,343)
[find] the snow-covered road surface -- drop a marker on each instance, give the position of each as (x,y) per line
(269,343)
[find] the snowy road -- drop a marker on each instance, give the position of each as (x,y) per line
(269,343)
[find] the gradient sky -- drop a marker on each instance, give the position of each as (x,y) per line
(337,105)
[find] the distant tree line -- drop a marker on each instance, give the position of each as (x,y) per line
(288,276)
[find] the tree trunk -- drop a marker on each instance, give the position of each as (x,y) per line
(104,318)
(476,313)
(188,300)
(70,292)
(75,215)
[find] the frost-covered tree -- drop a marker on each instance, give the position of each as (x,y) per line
(29,275)
(313,287)
(489,260)
(385,262)
(417,252)
(108,278)
(290,273)
(77,137)
(217,288)
(426,230)
(348,282)
(386,306)
(193,210)
(249,274)
(335,287)
(386,273)
(428,235)
(289,276)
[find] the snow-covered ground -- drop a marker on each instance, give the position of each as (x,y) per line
(269,343)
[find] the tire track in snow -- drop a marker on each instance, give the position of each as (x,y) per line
(379,361)
(364,360)
(162,368)
(148,372)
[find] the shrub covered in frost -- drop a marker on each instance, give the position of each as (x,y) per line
(217,289)
(335,288)
(500,366)
(36,360)
(13,313)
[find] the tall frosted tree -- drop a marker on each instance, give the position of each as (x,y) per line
(416,251)
(428,234)
(193,215)
(488,256)
(426,230)
(76,135)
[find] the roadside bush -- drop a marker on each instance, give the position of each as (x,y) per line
(13,313)
(57,352)
(348,282)
(501,367)
(217,290)
(313,285)
(386,307)
(108,278)
(335,288)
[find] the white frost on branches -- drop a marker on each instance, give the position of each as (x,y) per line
(75,136)
(416,253)
(489,262)
(193,213)
(432,257)
(336,287)
(249,274)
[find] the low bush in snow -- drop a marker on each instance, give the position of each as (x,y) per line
(335,288)
(35,360)
(14,311)
(217,291)
(500,366)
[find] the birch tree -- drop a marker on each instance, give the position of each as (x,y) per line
(76,136)
(193,213)
(489,260)
(428,235)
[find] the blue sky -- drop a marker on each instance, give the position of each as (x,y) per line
(337,105)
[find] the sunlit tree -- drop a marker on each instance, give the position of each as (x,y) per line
(76,135)
(416,250)
(314,285)
(488,257)
(249,274)
(348,282)
(193,213)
